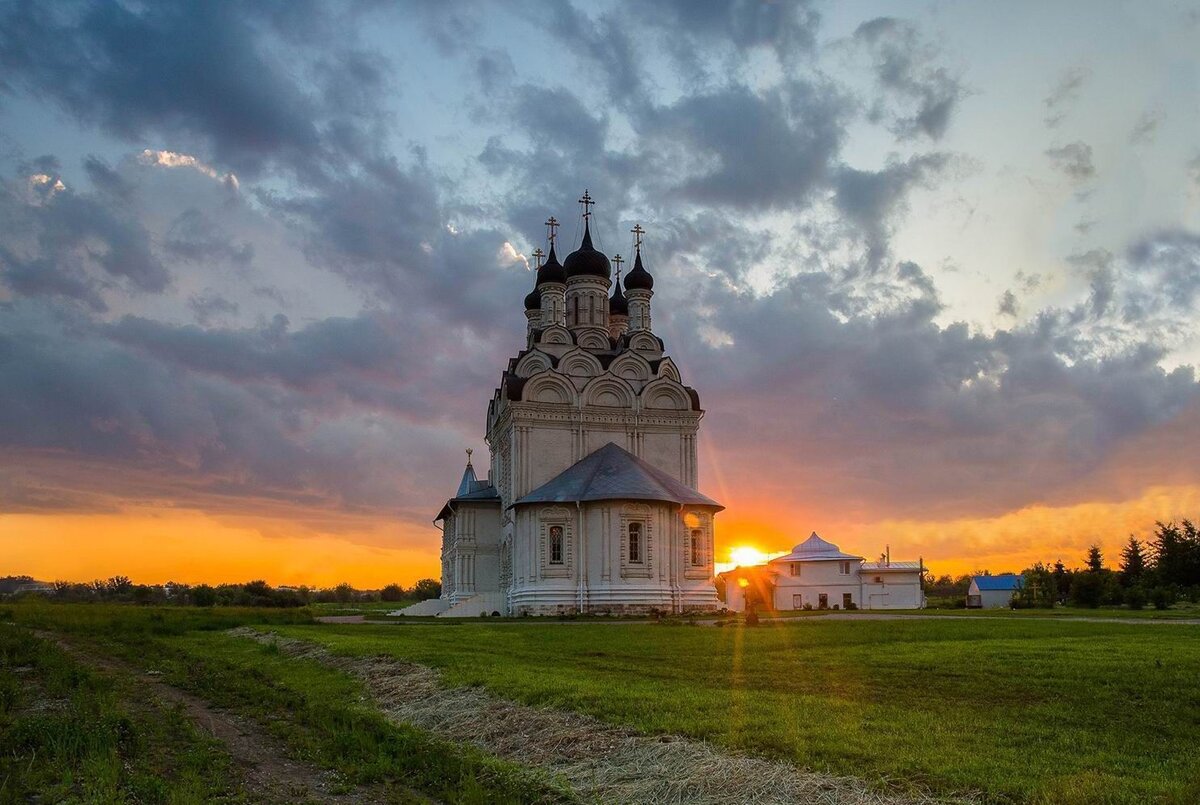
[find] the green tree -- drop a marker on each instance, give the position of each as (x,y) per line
(1095,559)
(1062,581)
(203,595)
(392,592)
(1133,563)
(1087,589)
(427,588)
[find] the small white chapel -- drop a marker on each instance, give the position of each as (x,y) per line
(591,500)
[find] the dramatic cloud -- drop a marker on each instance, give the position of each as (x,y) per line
(1073,159)
(275,265)
(908,68)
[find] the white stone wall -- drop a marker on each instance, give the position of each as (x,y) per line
(597,573)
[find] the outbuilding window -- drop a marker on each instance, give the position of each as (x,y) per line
(845,568)
(795,568)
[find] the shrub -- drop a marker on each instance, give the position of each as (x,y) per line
(1162,597)
(1135,597)
(852,605)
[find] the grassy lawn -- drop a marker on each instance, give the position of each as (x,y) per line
(320,714)
(1053,712)
(72,735)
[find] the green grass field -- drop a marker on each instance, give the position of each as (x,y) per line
(1012,708)
(1046,711)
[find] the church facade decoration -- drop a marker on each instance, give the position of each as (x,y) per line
(591,503)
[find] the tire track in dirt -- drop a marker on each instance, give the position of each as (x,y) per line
(600,762)
(260,760)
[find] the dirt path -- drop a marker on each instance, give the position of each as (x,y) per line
(260,759)
(602,763)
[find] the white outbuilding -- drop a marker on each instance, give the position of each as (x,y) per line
(818,575)
(993,592)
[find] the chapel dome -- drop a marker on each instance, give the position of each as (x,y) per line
(534,300)
(586,261)
(639,277)
(618,305)
(551,270)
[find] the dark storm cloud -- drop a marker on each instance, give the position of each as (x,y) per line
(927,420)
(206,72)
(321,415)
(735,147)
(1171,259)
(873,199)
(106,179)
(906,67)
(56,241)
(210,305)
(195,237)
(1073,159)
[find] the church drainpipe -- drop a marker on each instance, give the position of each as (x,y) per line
(582,559)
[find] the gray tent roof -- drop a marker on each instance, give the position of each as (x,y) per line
(612,473)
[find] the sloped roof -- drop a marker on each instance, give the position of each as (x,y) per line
(1002,582)
(612,473)
(815,549)
(896,566)
(468,480)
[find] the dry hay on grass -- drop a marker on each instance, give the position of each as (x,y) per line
(598,761)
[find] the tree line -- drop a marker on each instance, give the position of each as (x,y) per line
(1158,571)
(256,593)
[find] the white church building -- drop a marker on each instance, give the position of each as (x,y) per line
(818,575)
(591,502)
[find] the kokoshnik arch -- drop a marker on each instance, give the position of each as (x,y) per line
(591,502)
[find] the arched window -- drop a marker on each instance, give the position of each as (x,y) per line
(556,545)
(635,543)
(697,547)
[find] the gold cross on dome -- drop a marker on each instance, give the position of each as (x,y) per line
(538,254)
(617,260)
(552,227)
(637,236)
(587,203)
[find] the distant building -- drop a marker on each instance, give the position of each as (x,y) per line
(993,592)
(818,575)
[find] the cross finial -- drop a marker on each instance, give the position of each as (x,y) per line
(538,254)
(587,203)
(469,452)
(637,236)
(617,260)
(552,228)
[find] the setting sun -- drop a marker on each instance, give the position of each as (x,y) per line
(745,555)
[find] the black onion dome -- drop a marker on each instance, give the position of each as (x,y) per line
(639,277)
(618,305)
(534,300)
(586,261)
(551,270)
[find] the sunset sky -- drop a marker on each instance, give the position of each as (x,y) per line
(933,268)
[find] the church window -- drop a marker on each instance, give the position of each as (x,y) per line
(697,547)
(847,600)
(635,543)
(795,568)
(556,545)
(845,568)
